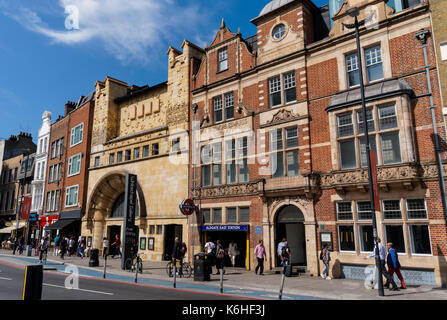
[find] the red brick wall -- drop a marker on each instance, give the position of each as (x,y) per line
(323,79)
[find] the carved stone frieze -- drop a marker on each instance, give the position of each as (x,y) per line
(403,173)
(229,190)
(283,115)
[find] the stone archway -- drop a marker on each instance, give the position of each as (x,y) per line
(289,224)
(306,208)
(102,200)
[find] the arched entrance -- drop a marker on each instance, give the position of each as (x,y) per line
(106,208)
(290,225)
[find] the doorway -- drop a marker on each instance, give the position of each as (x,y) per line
(225,237)
(172,231)
(290,225)
(113,231)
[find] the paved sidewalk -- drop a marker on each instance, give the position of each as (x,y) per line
(247,283)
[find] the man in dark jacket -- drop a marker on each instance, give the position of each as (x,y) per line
(176,255)
(392,260)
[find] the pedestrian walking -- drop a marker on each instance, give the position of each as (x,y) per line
(15,245)
(392,260)
(63,247)
(260,255)
(57,242)
(21,245)
(220,255)
(382,255)
(105,247)
(325,256)
(233,252)
(82,248)
(117,246)
(210,246)
(285,258)
(280,246)
(71,246)
(43,249)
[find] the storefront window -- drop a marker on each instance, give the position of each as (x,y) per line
(366,238)
(420,239)
(346,234)
(395,234)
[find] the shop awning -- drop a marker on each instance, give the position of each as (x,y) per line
(60,224)
(12,228)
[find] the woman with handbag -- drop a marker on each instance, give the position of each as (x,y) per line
(220,254)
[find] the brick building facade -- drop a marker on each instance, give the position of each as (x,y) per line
(281,143)
(67,168)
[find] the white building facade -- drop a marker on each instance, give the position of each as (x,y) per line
(41,163)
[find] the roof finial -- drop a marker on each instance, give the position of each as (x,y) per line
(222,26)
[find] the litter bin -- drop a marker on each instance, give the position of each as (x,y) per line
(202,267)
(94,258)
(29,251)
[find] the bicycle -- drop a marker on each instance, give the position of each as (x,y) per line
(185,270)
(133,263)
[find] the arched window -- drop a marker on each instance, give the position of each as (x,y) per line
(118,207)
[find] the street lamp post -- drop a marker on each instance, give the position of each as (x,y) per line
(194,107)
(354,12)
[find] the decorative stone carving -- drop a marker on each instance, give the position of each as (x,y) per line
(229,190)
(404,174)
(283,115)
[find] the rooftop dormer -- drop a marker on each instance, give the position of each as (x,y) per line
(284,27)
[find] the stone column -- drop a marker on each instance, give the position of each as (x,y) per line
(98,228)
(311,247)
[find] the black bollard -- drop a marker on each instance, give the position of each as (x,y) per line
(105,266)
(32,284)
(175,273)
(221,279)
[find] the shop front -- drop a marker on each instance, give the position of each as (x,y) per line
(226,233)
(69,224)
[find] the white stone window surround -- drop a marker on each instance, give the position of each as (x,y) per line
(70,172)
(404,120)
(279,22)
(225,206)
(73,141)
(443,49)
(279,84)
(367,41)
(67,196)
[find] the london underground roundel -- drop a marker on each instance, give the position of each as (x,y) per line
(187,207)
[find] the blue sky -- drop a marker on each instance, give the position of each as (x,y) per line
(47,59)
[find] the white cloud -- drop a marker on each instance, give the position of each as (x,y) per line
(128,29)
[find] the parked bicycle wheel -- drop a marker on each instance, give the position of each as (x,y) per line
(140,265)
(129,263)
(187,270)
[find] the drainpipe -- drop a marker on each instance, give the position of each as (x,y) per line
(422,36)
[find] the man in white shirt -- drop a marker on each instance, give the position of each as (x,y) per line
(209,246)
(382,255)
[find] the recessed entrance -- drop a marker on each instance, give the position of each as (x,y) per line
(112,232)
(171,232)
(290,225)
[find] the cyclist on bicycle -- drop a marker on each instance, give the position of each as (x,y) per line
(176,253)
